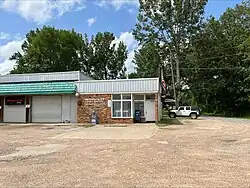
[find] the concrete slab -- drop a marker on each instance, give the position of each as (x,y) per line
(142,131)
(30,151)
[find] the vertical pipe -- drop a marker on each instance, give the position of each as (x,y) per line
(27,108)
(1,108)
(173,82)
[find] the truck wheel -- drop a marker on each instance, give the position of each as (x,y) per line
(172,115)
(193,116)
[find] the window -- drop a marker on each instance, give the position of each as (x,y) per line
(139,97)
(121,106)
(139,106)
(194,108)
(126,97)
(150,97)
(126,109)
(188,108)
(181,108)
(117,97)
(116,109)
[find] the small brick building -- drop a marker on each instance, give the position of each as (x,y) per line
(73,97)
(115,101)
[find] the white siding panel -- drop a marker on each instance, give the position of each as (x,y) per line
(147,85)
(73,113)
(38,77)
(69,106)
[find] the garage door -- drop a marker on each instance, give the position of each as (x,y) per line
(47,109)
(14,110)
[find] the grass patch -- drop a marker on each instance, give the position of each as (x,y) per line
(168,121)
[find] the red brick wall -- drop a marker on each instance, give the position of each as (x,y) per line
(86,104)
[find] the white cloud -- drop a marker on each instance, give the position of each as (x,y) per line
(91,21)
(132,45)
(117,4)
(128,39)
(7,37)
(41,11)
(4,36)
(131,11)
(5,52)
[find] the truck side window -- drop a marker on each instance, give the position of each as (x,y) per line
(188,108)
(181,108)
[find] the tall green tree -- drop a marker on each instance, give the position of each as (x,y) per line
(172,23)
(49,50)
(148,60)
(109,57)
(53,50)
(217,68)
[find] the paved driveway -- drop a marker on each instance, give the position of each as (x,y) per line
(200,153)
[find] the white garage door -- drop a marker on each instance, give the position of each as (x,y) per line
(47,109)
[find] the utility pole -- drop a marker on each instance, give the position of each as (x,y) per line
(173,82)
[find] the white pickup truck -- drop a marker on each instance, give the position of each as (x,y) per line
(185,111)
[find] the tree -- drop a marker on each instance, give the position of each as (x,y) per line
(108,57)
(148,60)
(172,23)
(53,50)
(217,69)
(50,50)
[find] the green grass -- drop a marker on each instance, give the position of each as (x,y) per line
(166,121)
(222,115)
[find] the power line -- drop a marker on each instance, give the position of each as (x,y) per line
(210,58)
(203,68)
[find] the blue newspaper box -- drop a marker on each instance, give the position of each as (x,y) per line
(138,116)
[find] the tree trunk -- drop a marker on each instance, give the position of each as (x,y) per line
(177,79)
(172,73)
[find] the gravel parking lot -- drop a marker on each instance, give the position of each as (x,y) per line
(208,152)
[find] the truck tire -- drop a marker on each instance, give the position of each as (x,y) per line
(193,116)
(172,115)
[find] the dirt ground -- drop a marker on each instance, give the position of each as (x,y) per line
(210,152)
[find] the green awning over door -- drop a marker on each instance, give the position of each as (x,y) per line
(42,88)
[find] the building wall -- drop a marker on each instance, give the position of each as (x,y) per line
(88,103)
(69,108)
(44,77)
(146,85)
(156,108)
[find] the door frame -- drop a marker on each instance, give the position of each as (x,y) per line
(152,109)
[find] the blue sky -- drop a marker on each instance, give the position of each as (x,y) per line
(17,17)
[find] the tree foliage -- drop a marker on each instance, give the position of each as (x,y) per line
(49,50)
(53,50)
(171,23)
(148,60)
(108,57)
(217,68)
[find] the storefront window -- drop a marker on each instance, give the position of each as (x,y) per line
(139,97)
(117,97)
(121,105)
(126,97)
(116,109)
(126,108)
